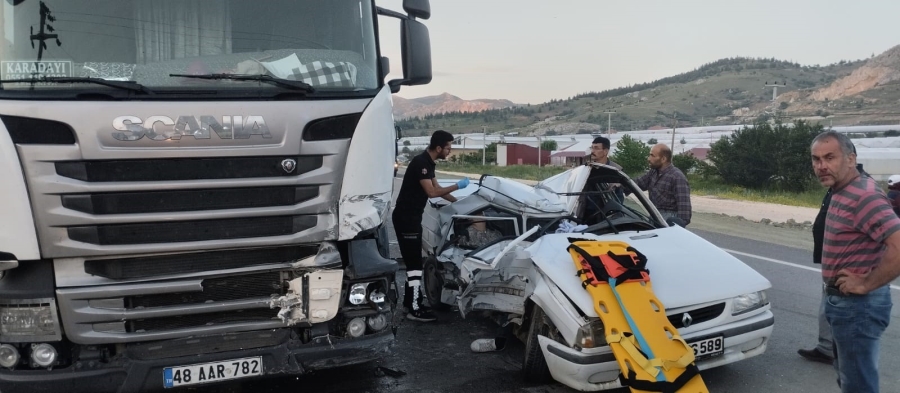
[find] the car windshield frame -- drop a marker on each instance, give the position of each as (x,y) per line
(332,46)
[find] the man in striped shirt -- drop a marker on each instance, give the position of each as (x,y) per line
(669,189)
(860,257)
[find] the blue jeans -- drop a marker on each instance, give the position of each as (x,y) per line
(857,323)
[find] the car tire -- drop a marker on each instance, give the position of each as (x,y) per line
(433,283)
(534,366)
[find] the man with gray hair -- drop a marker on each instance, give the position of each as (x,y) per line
(860,257)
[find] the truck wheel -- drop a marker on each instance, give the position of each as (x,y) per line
(535,366)
(434,283)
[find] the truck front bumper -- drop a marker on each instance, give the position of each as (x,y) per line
(137,375)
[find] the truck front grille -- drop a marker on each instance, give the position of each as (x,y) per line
(194,262)
(190,231)
(210,319)
(215,290)
(175,202)
(171,309)
(188,200)
(186,168)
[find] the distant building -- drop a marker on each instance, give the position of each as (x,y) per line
(569,158)
(519,154)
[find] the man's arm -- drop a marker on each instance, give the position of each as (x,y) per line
(683,199)
(434,190)
(886,271)
(643,181)
(447,196)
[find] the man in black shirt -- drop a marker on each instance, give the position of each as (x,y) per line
(418,185)
(824,350)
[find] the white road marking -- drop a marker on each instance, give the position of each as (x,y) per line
(780,262)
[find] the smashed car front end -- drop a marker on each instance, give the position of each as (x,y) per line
(595,369)
(728,321)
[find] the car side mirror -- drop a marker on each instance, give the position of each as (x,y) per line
(672,221)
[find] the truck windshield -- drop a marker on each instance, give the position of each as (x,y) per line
(157,45)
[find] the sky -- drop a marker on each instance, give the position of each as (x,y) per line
(530,51)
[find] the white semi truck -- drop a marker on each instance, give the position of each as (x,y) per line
(195,191)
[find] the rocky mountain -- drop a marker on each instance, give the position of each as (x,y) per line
(727,91)
(878,71)
(443,103)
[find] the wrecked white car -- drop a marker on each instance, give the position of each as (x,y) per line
(502,249)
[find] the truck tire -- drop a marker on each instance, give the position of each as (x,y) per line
(534,366)
(433,284)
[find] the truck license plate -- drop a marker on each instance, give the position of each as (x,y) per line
(708,348)
(212,372)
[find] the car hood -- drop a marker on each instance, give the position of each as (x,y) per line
(685,269)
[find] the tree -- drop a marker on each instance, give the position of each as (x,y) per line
(548,145)
(767,156)
(406,143)
(783,105)
(685,161)
(631,154)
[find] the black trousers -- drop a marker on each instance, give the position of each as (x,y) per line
(408,227)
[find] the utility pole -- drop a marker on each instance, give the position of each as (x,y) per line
(539,150)
(41,37)
(608,121)
(483,144)
(775,87)
(674,117)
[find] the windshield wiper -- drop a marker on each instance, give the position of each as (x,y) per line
(296,85)
(129,85)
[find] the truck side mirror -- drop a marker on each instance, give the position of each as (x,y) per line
(417,8)
(415,46)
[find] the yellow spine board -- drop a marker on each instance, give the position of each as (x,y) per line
(670,353)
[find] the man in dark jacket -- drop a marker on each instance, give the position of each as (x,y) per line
(824,351)
(825,348)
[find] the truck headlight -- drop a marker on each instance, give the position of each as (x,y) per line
(43,355)
(591,334)
(23,320)
(9,356)
(748,302)
(358,293)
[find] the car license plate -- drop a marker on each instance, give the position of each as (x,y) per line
(212,372)
(708,348)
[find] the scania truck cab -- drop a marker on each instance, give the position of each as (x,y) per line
(195,191)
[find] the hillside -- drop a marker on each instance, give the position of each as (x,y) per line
(728,91)
(444,103)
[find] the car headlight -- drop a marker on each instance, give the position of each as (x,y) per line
(591,334)
(748,302)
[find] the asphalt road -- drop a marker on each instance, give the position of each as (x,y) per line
(435,357)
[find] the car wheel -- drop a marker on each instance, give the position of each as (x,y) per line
(535,366)
(434,283)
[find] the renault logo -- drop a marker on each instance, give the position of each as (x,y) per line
(686,319)
(288,165)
